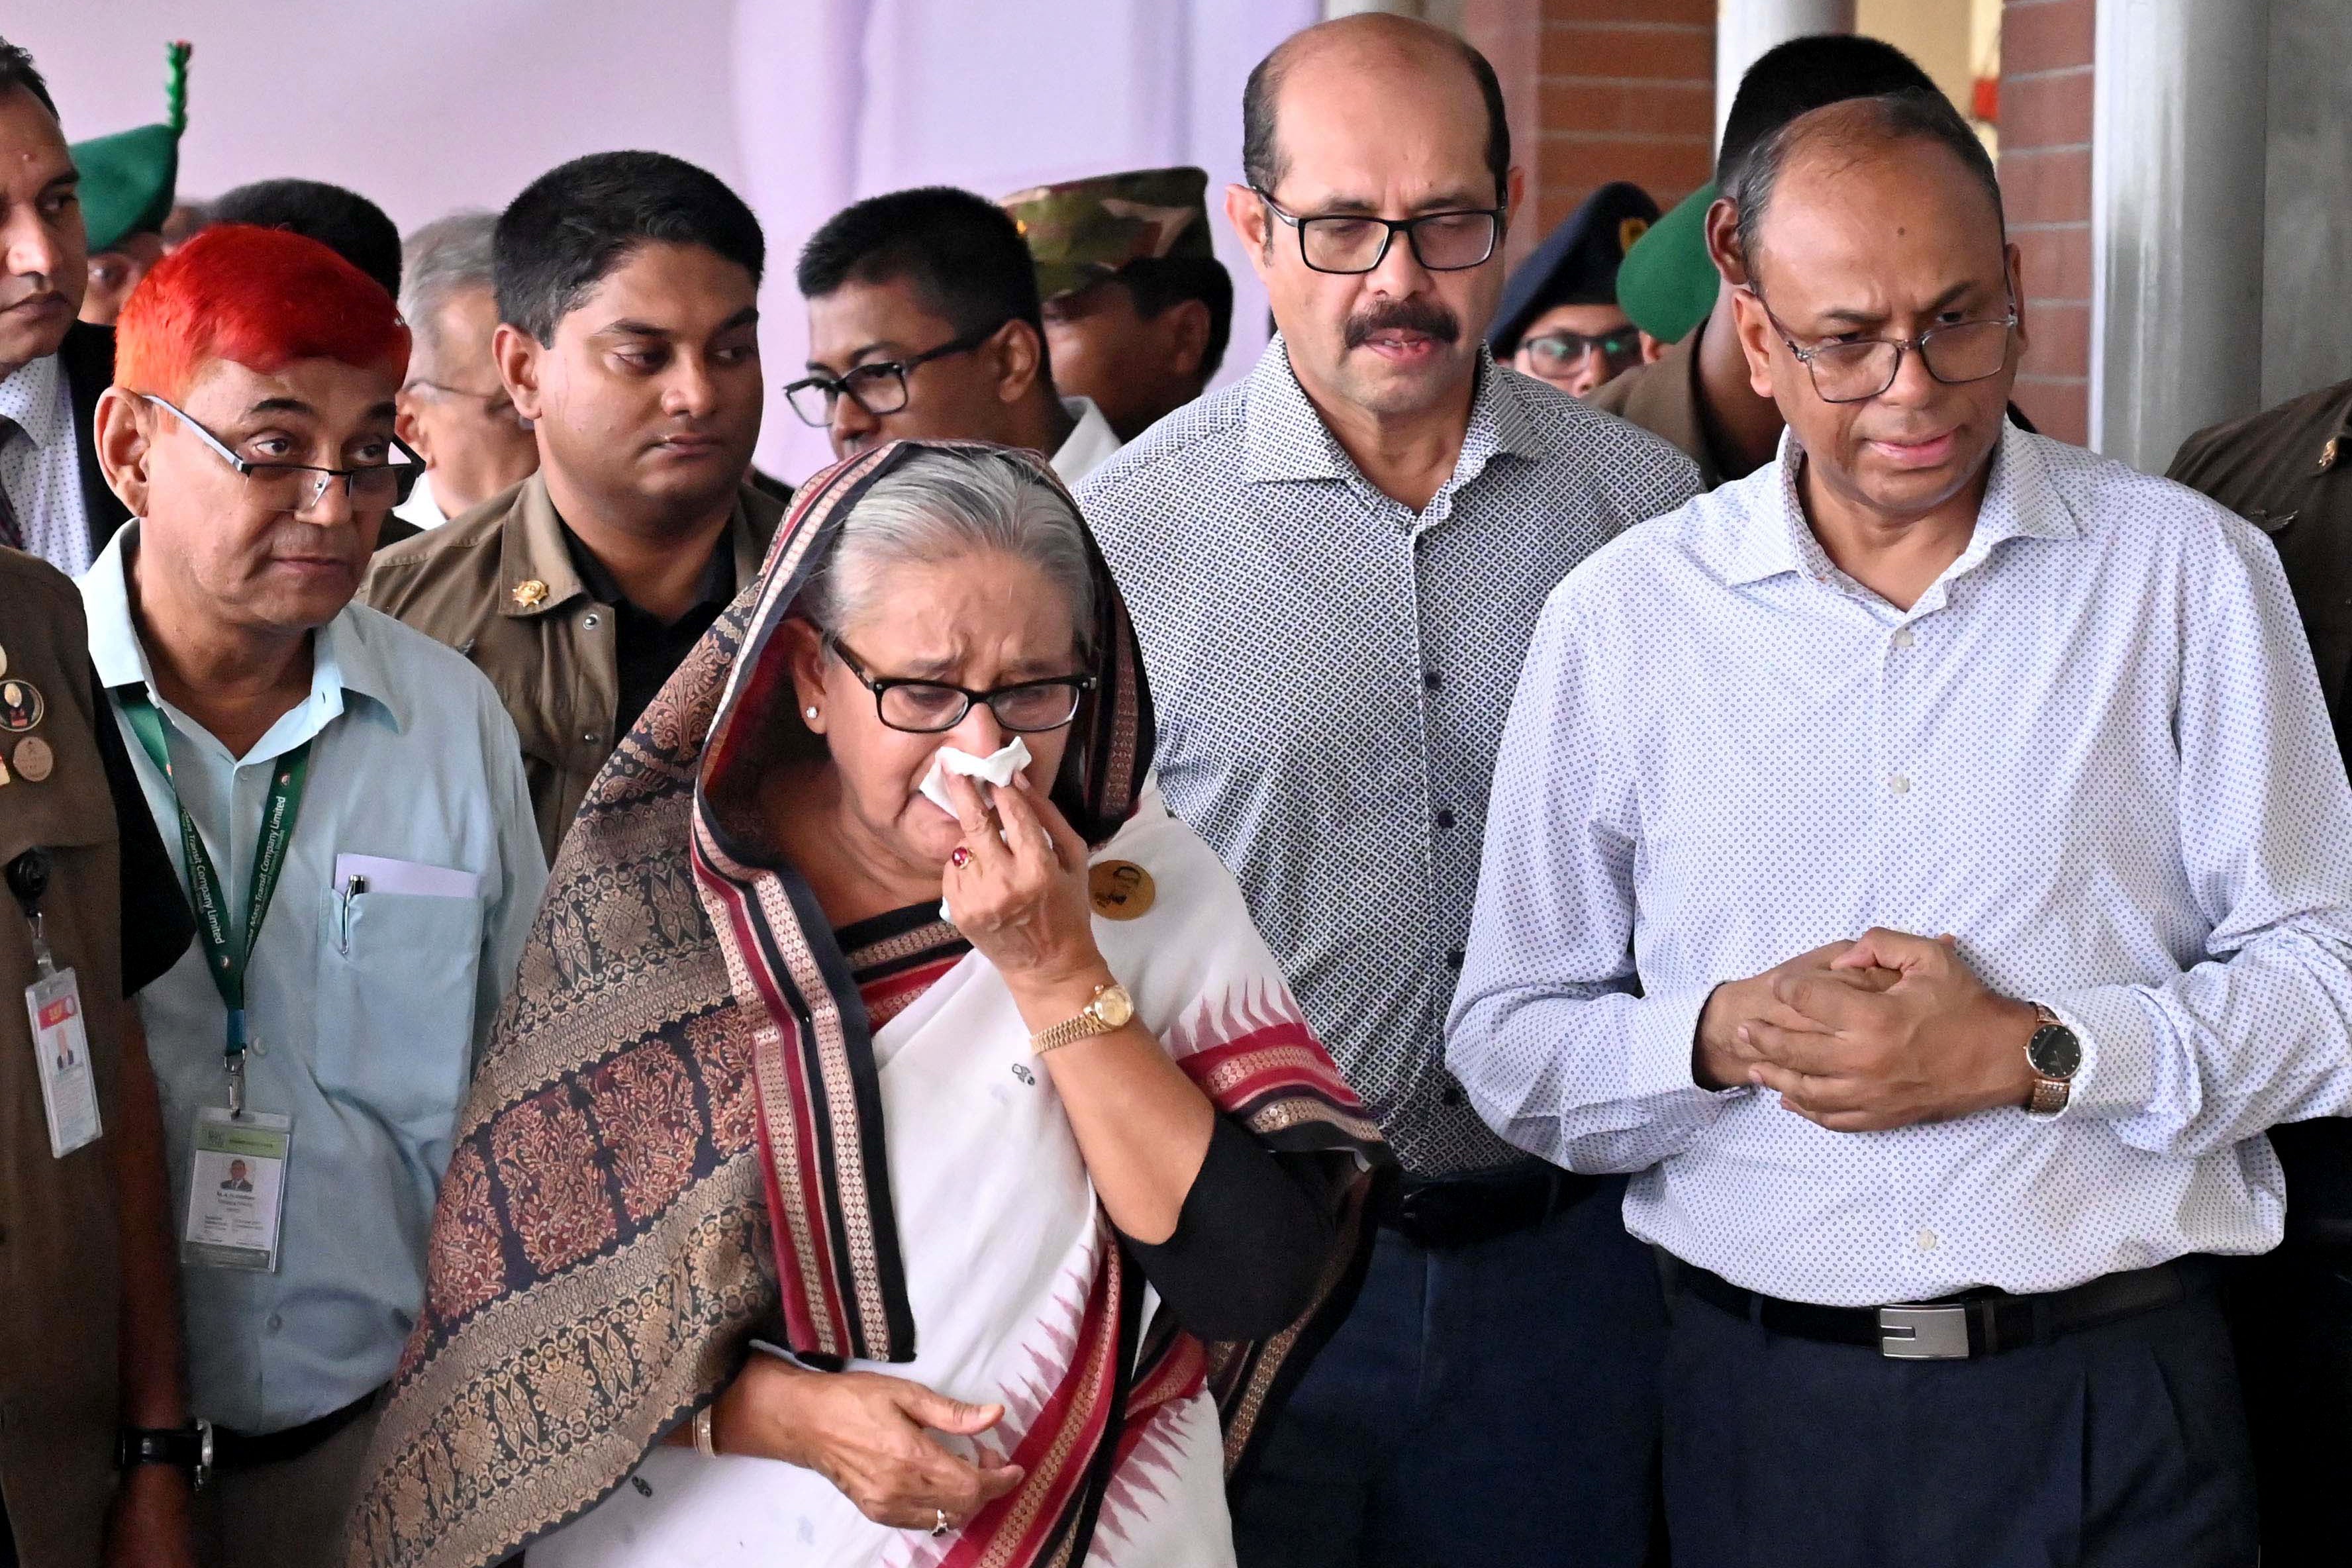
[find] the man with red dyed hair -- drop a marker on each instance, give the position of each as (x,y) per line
(347,804)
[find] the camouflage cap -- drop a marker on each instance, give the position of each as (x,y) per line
(1081,231)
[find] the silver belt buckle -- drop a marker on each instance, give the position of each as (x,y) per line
(1938,1333)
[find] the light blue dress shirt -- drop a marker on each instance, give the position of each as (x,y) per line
(2094,750)
(366,1025)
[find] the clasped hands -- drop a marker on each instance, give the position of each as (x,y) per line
(1886,1031)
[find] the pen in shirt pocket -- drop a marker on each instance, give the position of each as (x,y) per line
(353,885)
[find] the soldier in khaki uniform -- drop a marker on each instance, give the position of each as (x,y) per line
(580,590)
(86,1257)
(1137,307)
(2288,472)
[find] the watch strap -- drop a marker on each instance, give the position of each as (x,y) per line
(1085,1026)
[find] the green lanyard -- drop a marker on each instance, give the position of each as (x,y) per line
(224,955)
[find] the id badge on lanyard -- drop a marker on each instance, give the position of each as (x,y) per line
(237,1183)
(60,1035)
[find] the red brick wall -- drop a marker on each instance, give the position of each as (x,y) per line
(1601,90)
(2046,177)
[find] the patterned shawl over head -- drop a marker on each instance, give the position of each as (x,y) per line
(675,1143)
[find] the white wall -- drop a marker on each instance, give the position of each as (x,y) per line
(800,104)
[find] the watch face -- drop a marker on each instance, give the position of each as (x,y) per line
(1114,1008)
(2055,1052)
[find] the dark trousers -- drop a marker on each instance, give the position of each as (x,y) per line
(1491,1406)
(2120,1447)
(2290,1314)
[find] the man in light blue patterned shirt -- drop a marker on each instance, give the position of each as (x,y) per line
(1927,862)
(349,795)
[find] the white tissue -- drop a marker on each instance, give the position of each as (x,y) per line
(998,768)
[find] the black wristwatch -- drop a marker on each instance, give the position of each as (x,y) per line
(190,1448)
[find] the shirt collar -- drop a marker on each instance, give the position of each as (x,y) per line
(717,587)
(1287,438)
(345,661)
(34,396)
(1090,443)
(2019,503)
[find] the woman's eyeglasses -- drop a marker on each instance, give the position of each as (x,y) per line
(928,706)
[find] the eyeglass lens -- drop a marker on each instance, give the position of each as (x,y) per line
(286,487)
(1562,350)
(1441,242)
(1849,372)
(925,708)
(878,388)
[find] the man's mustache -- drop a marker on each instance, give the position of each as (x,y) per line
(1425,316)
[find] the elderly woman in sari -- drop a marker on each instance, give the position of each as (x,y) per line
(900,1146)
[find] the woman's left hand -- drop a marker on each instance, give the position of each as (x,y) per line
(1021,896)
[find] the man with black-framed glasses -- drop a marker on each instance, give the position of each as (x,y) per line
(924,322)
(1334,567)
(1926,865)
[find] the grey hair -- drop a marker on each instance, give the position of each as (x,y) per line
(938,505)
(446,256)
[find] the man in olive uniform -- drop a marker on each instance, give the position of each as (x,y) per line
(88,1307)
(1137,307)
(2289,472)
(627,335)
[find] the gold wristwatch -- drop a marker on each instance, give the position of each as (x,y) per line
(1105,1015)
(2055,1055)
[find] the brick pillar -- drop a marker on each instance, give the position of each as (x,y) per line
(2046,177)
(1601,90)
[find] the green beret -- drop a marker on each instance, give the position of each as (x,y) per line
(128,179)
(1666,283)
(1082,231)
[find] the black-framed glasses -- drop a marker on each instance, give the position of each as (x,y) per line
(1349,242)
(878,388)
(1860,370)
(298,486)
(1560,352)
(928,706)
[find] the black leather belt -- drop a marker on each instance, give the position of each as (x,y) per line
(1461,1211)
(243,1451)
(1980,1323)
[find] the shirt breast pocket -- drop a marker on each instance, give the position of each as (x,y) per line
(396,996)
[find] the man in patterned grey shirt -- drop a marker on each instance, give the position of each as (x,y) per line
(1335,567)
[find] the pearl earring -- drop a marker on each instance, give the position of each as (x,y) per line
(810,711)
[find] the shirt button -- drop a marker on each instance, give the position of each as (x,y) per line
(1432,680)
(589,736)
(1926,1241)
(1444,818)
(592,620)
(1454,959)
(1452,1095)
(276,1322)
(1903,638)
(1899,785)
